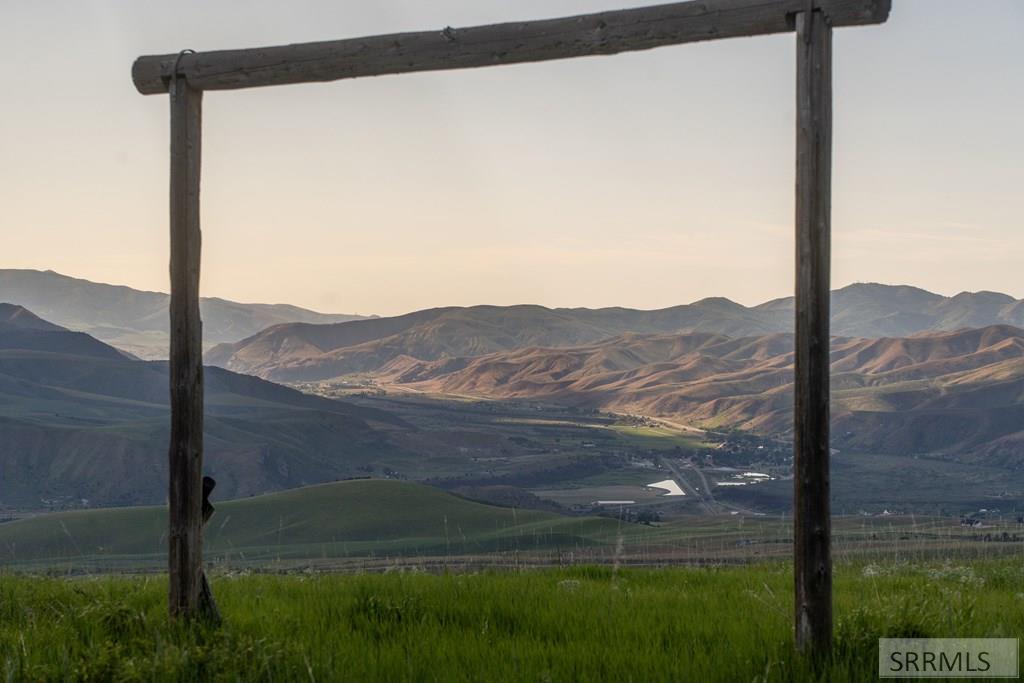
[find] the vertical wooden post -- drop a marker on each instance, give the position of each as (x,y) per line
(186,362)
(812,559)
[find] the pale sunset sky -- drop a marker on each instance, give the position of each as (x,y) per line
(645,180)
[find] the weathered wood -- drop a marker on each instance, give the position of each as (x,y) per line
(812,524)
(186,366)
(603,33)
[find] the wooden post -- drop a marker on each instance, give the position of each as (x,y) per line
(812,561)
(186,359)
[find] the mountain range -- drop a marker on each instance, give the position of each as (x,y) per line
(299,352)
(81,419)
(955,393)
(136,321)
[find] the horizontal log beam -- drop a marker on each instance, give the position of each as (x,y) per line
(603,33)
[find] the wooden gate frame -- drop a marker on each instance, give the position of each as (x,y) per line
(186,75)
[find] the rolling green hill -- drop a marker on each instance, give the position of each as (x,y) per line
(351,518)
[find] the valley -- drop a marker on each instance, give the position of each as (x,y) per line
(527,453)
(928,424)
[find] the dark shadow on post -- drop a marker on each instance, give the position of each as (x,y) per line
(208,609)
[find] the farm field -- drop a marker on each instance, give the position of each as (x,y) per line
(577,624)
(386,525)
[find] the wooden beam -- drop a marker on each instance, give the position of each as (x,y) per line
(812,560)
(604,33)
(186,354)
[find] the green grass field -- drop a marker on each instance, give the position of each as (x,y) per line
(581,624)
(372,524)
(658,437)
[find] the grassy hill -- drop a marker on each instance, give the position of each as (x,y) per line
(80,420)
(350,518)
(366,524)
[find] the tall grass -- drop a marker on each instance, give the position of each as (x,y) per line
(579,624)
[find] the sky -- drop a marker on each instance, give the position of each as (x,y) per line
(645,180)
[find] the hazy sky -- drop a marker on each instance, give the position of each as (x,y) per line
(642,180)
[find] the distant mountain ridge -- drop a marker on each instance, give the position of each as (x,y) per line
(306,352)
(22,329)
(136,321)
(14,317)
